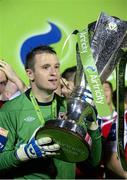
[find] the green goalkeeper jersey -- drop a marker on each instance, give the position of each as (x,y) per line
(19,118)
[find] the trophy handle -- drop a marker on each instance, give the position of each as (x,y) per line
(80,78)
(120,86)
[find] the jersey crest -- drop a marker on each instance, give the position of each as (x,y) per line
(3,138)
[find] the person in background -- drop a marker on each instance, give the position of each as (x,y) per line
(11,91)
(125,97)
(69,74)
(3,82)
(10,84)
(108,128)
(66,85)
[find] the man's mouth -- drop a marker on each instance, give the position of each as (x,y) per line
(52,80)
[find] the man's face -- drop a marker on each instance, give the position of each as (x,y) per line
(9,90)
(108,93)
(3,81)
(45,75)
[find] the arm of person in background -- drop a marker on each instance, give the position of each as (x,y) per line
(113,164)
(111,158)
(12,76)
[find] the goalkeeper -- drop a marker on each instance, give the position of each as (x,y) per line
(21,155)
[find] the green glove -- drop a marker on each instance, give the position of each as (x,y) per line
(90,117)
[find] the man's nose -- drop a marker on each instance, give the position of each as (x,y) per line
(53,71)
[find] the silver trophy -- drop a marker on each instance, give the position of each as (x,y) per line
(70,133)
(110,52)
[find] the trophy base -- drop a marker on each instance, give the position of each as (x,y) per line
(70,137)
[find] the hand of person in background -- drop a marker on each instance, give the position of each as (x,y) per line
(37,148)
(65,88)
(12,76)
(4,66)
(125,174)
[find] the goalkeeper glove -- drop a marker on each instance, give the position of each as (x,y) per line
(37,149)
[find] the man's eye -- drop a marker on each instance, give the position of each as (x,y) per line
(45,67)
(57,67)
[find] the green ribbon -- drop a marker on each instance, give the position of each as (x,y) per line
(91,73)
(38,111)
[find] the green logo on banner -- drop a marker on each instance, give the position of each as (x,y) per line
(91,73)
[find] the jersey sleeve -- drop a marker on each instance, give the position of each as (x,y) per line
(7,141)
(96,147)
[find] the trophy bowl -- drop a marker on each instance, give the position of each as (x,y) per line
(69,133)
(70,137)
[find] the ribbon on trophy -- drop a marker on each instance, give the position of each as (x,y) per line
(100,54)
(100,59)
(91,72)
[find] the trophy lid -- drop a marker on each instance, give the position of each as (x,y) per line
(107,36)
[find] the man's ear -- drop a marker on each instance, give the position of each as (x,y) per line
(30,74)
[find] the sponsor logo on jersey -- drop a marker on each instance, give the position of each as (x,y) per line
(29,119)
